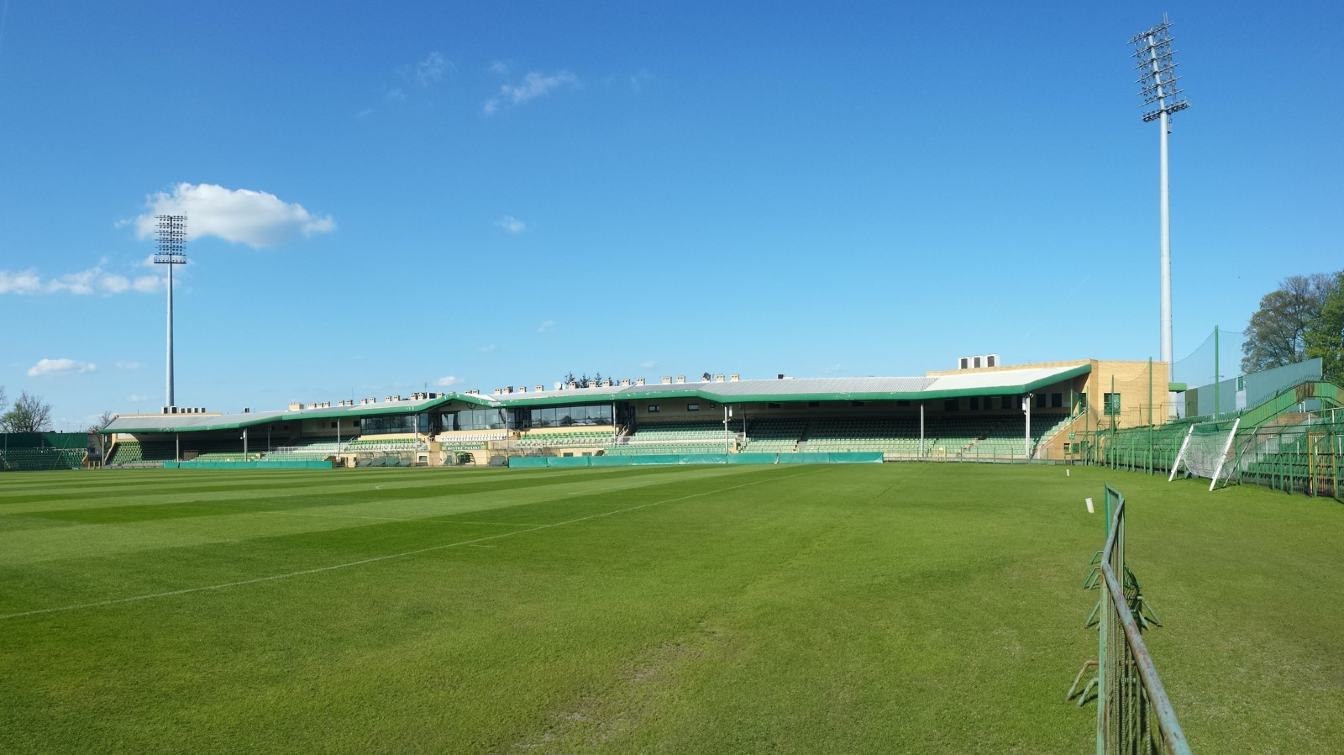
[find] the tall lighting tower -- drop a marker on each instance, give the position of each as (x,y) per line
(1158,86)
(171,235)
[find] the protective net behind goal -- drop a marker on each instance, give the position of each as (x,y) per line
(1207,452)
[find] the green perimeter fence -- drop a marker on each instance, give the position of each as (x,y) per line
(1296,453)
(1134,714)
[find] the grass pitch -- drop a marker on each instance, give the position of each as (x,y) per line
(845,608)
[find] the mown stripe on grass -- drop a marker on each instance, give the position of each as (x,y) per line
(391,556)
(244,519)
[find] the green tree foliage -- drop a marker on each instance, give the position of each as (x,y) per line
(1325,335)
(583,381)
(1277,333)
(29,415)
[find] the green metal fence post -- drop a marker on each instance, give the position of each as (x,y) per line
(1216,376)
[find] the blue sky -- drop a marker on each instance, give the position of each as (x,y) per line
(481,195)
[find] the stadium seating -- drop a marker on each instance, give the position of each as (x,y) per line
(36,451)
(884,434)
(29,459)
(671,438)
(129,453)
(375,445)
(678,432)
(639,449)
(564,439)
(307,448)
(773,435)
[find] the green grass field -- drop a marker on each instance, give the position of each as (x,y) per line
(891,608)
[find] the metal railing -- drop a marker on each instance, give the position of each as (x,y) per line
(1134,714)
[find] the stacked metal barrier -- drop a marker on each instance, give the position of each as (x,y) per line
(1134,714)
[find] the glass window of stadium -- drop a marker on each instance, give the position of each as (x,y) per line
(477,419)
(567,416)
(396,423)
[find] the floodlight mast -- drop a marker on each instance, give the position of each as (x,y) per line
(1158,85)
(171,236)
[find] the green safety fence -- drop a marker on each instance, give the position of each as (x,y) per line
(1296,453)
(536,462)
(252,464)
(1134,714)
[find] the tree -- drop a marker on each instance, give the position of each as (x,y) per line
(96,428)
(29,415)
(1277,333)
(1325,335)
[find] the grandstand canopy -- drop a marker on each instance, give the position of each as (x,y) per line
(988,382)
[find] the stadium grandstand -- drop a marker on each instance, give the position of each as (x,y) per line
(39,451)
(982,411)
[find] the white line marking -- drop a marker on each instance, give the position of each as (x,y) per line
(376,559)
(426,520)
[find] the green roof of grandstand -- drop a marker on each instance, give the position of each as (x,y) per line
(951,385)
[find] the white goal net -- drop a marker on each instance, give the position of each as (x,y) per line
(1205,452)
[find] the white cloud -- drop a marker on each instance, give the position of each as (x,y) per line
(648,364)
(60,367)
(446,381)
(499,67)
(535,84)
(639,79)
(94,280)
(546,326)
(487,349)
(365,113)
(395,94)
(148,284)
(21,282)
(511,225)
(128,364)
(430,70)
(255,218)
(136,398)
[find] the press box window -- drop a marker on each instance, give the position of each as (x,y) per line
(1057,401)
(975,403)
(692,407)
(1112,404)
(950,405)
(653,408)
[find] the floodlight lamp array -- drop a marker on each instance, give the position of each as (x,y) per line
(1158,83)
(170,233)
